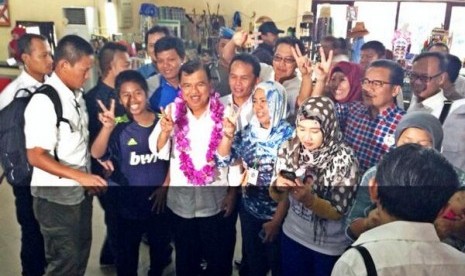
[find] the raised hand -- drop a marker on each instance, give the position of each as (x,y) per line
(166,122)
(107,116)
(230,121)
(239,38)
(322,68)
(303,63)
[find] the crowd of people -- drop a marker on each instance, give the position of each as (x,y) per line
(317,161)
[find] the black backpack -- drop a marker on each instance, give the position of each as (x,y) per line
(13,156)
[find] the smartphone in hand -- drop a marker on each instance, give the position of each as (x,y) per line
(288,175)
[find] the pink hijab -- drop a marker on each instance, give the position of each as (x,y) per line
(354,73)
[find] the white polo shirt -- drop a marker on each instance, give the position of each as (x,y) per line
(184,199)
(70,141)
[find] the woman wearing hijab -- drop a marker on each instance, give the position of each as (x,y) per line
(317,173)
(344,82)
(256,147)
(415,127)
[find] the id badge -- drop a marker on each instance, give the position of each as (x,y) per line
(252,176)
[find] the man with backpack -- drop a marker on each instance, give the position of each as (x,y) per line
(57,147)
(411,190)
(36,55)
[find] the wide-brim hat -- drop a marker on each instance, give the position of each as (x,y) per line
(359,30)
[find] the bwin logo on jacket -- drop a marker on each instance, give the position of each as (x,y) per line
(137,159)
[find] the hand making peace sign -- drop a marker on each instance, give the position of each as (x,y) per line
(303,63)
(166,122)
(230,121)
(322,68)
(107,116)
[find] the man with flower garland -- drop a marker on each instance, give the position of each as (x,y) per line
(198,196)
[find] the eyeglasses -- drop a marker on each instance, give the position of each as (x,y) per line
(373,83)
(423,78)
(287,61)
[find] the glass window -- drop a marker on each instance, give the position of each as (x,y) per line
(420,18)
(379,19)
(457,21)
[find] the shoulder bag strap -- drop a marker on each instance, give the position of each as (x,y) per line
(445,111)
(369,264)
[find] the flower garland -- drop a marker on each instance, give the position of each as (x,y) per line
(206,173)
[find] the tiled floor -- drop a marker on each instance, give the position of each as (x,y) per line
(10,241)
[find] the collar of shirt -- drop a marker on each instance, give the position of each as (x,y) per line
(29,82)
(436,101)
(400,230)
(69,94)
(205,114)
(23,81)
(389,113)
(164,83)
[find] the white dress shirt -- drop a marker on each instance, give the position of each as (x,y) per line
(23,81)
(432,104)
(70,141)
(402,248)
(185,199)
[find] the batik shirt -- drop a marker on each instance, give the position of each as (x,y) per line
(259,155)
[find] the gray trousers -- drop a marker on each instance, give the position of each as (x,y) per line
(67,232)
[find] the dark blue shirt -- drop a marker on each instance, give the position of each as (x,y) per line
(137,170)
(163,95)
(105,93)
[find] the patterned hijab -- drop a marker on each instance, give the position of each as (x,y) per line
(322,110)
(354,73)
(333,164)
(277,105)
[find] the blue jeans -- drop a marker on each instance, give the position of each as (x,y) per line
(299,260)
